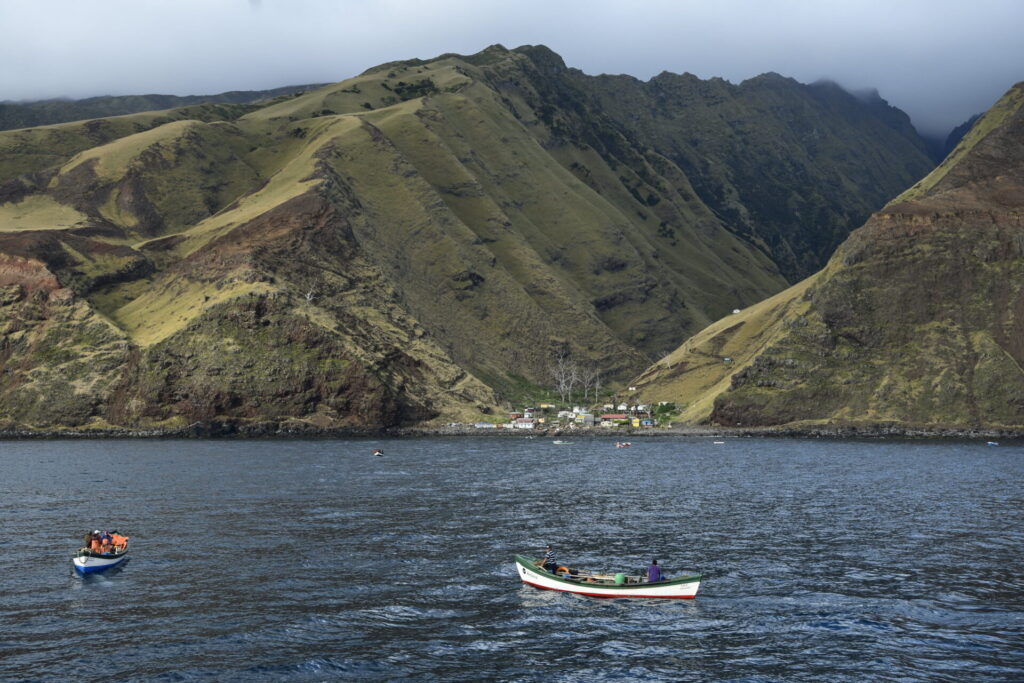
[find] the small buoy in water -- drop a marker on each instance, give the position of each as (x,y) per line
(377,451)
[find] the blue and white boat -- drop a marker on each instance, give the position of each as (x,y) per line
(88,562)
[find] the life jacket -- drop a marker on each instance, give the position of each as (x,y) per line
(119,540)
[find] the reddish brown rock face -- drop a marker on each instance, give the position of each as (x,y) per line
(28,274)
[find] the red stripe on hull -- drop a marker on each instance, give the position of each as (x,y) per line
(605,595)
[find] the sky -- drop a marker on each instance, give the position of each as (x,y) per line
(941,61)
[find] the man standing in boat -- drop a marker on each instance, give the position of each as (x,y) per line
(654,573)
(548,561)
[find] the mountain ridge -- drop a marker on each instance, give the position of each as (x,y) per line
(29,114)
(403,246)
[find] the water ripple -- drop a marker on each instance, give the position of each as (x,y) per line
(308,560)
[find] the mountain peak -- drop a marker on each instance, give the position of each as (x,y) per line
(543,56)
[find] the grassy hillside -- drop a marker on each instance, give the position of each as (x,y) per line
(403,246)
(917,320)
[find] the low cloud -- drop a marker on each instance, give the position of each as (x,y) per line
(940,61)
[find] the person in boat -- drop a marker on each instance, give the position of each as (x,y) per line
(106,543)
(548,561)
(654,572)
(95,542)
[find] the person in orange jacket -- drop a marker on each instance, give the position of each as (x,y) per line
(95,545)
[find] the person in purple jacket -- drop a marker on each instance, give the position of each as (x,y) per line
(654,572)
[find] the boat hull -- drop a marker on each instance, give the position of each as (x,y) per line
(91,563)
(682,588)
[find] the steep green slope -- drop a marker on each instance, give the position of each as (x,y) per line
(790,167)
(399,247)
(918,319)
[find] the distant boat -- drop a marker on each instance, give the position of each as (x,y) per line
(88,562)
(562,443)
(622,444)
(597,585)
(993,443)
(378,452)
(718,443)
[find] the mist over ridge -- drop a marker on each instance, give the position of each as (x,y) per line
(941,62)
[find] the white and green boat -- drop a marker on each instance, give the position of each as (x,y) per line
(600,585)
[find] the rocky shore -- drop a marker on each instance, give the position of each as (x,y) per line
(297,429)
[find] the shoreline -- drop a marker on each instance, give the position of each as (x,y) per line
(303,430)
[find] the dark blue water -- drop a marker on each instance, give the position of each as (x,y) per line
(313,560)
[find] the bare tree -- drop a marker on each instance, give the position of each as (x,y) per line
(590,378)
(565,374)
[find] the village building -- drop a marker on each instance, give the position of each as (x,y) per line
(614,419)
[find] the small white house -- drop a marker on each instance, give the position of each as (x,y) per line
(585,419)
(623,407)
(524,423)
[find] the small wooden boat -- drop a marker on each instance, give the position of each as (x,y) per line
(88,562)
(599,585)
(562,443)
